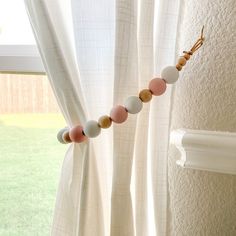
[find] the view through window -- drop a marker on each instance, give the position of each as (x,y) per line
(14,24)
(30,155)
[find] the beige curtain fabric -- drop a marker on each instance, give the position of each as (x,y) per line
(97,53)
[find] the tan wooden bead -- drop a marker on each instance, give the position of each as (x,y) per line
(145,95)
(187,56)
(178,67)
(104,122)
(182,61)
(66,137)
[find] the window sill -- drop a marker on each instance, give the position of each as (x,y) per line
(20,59)
(206,150)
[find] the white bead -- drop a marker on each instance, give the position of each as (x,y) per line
(60,135)
(133,104)
(92,129)
(170,74)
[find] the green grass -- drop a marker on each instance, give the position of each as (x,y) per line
(30,162)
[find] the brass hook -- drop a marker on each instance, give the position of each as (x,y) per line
(197,45)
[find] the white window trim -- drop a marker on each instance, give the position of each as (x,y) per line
(20,59)
(206,150)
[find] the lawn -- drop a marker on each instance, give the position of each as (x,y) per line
(30,162)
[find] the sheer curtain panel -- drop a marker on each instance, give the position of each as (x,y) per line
(97,53)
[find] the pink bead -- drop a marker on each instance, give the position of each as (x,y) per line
(157,86)
(76,134)
(119,114)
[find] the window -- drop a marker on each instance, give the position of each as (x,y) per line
(18,50)
(30,156)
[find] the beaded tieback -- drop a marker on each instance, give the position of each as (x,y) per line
(132,104)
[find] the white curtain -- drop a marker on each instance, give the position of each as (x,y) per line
(97,53)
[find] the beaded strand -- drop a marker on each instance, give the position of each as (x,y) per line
(132,105)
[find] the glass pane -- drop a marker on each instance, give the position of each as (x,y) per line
(14,24)
(30,155)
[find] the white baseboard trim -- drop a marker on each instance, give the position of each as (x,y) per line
(206,150)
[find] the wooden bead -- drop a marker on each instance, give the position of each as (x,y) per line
(170,74)
(145,95)
(119,114)
(60,135)
(66,137)
(133,104)
(92,129)
(178,67)
(187,56)
(76,134)
(157,86)
(104,122)
(182,61)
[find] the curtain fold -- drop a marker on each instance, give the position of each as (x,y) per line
(125,84)
(94,32)
(79,193)
(96,54)
(146,71)
(166,36)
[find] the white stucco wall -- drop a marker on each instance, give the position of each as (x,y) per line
(204,203)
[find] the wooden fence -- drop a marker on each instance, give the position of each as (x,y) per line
(26,94)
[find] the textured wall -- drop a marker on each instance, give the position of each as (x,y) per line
(204,203)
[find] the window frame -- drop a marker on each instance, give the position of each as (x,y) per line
(20,59)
